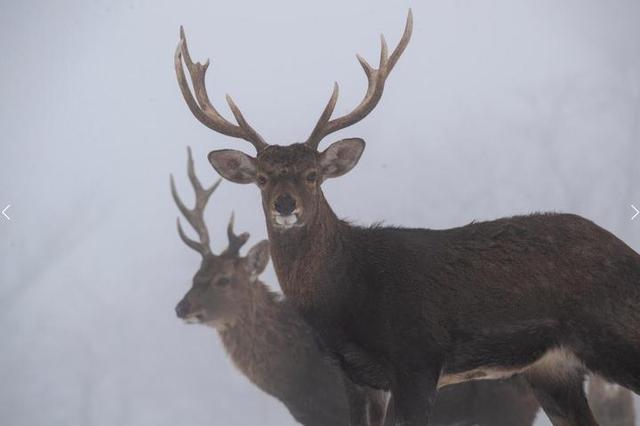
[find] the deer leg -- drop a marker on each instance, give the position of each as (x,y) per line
(414,394)
(357,398)
(561,396)
(611,404)
(377,407)
(617,361)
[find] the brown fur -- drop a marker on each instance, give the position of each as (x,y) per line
(411,310)
(277,351)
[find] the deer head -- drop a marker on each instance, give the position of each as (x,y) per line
(222,285)
(289,177)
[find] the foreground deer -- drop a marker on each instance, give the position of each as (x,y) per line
(273,347)
(412,310)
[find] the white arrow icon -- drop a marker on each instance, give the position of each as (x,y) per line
(636,210)
(4,212)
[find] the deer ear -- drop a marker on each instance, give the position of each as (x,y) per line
(234,165)
(258,257)
(341,157)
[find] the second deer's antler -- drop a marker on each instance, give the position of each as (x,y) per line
(195,216)
(235,241)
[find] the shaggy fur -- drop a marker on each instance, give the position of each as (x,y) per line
(550,296)
(276,350)
(403,309)
(270,344)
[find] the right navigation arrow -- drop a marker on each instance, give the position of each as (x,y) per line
(636,212)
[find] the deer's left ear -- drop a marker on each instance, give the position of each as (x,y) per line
(258,257)
(341,157)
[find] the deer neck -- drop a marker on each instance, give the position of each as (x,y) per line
(244,339)
(302,256)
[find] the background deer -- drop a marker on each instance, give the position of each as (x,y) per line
(275,349)
(266,340)
(412,310)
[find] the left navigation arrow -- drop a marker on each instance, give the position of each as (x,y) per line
(4,212)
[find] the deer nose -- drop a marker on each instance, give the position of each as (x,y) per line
(182,309)
(285,204)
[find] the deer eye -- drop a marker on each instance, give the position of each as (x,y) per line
(311,177)
(223,281)
(262,180)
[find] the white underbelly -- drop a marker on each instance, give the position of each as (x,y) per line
(555,361)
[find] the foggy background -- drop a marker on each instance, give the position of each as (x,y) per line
(496,108)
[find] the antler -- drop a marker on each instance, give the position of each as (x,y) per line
(202,108)
(195,216)
(376,78)
(235,241)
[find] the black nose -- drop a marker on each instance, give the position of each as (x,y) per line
(285,204)
(182,309)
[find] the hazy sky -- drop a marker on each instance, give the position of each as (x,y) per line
(496,108)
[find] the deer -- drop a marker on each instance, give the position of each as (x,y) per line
(271,345)
(549,296)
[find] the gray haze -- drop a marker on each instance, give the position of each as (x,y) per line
(497,108)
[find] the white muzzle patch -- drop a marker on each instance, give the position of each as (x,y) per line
(194,318)
(288,221)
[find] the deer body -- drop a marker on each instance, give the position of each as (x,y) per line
(271,345)
(276,350)
(550,296)
(487,300)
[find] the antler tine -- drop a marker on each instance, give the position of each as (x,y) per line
(402,44)
(195,216)
(316,134)
(202,194)
(188,241)
(376,79)
(201,106)
(235,241)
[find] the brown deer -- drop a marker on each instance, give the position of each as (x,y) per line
(275,349)
(550,296)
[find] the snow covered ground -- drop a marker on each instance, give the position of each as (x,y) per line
(496,108)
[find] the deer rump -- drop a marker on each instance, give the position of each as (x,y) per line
(548,292)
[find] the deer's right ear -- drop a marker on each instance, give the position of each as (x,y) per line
(258,257)
(234,165)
